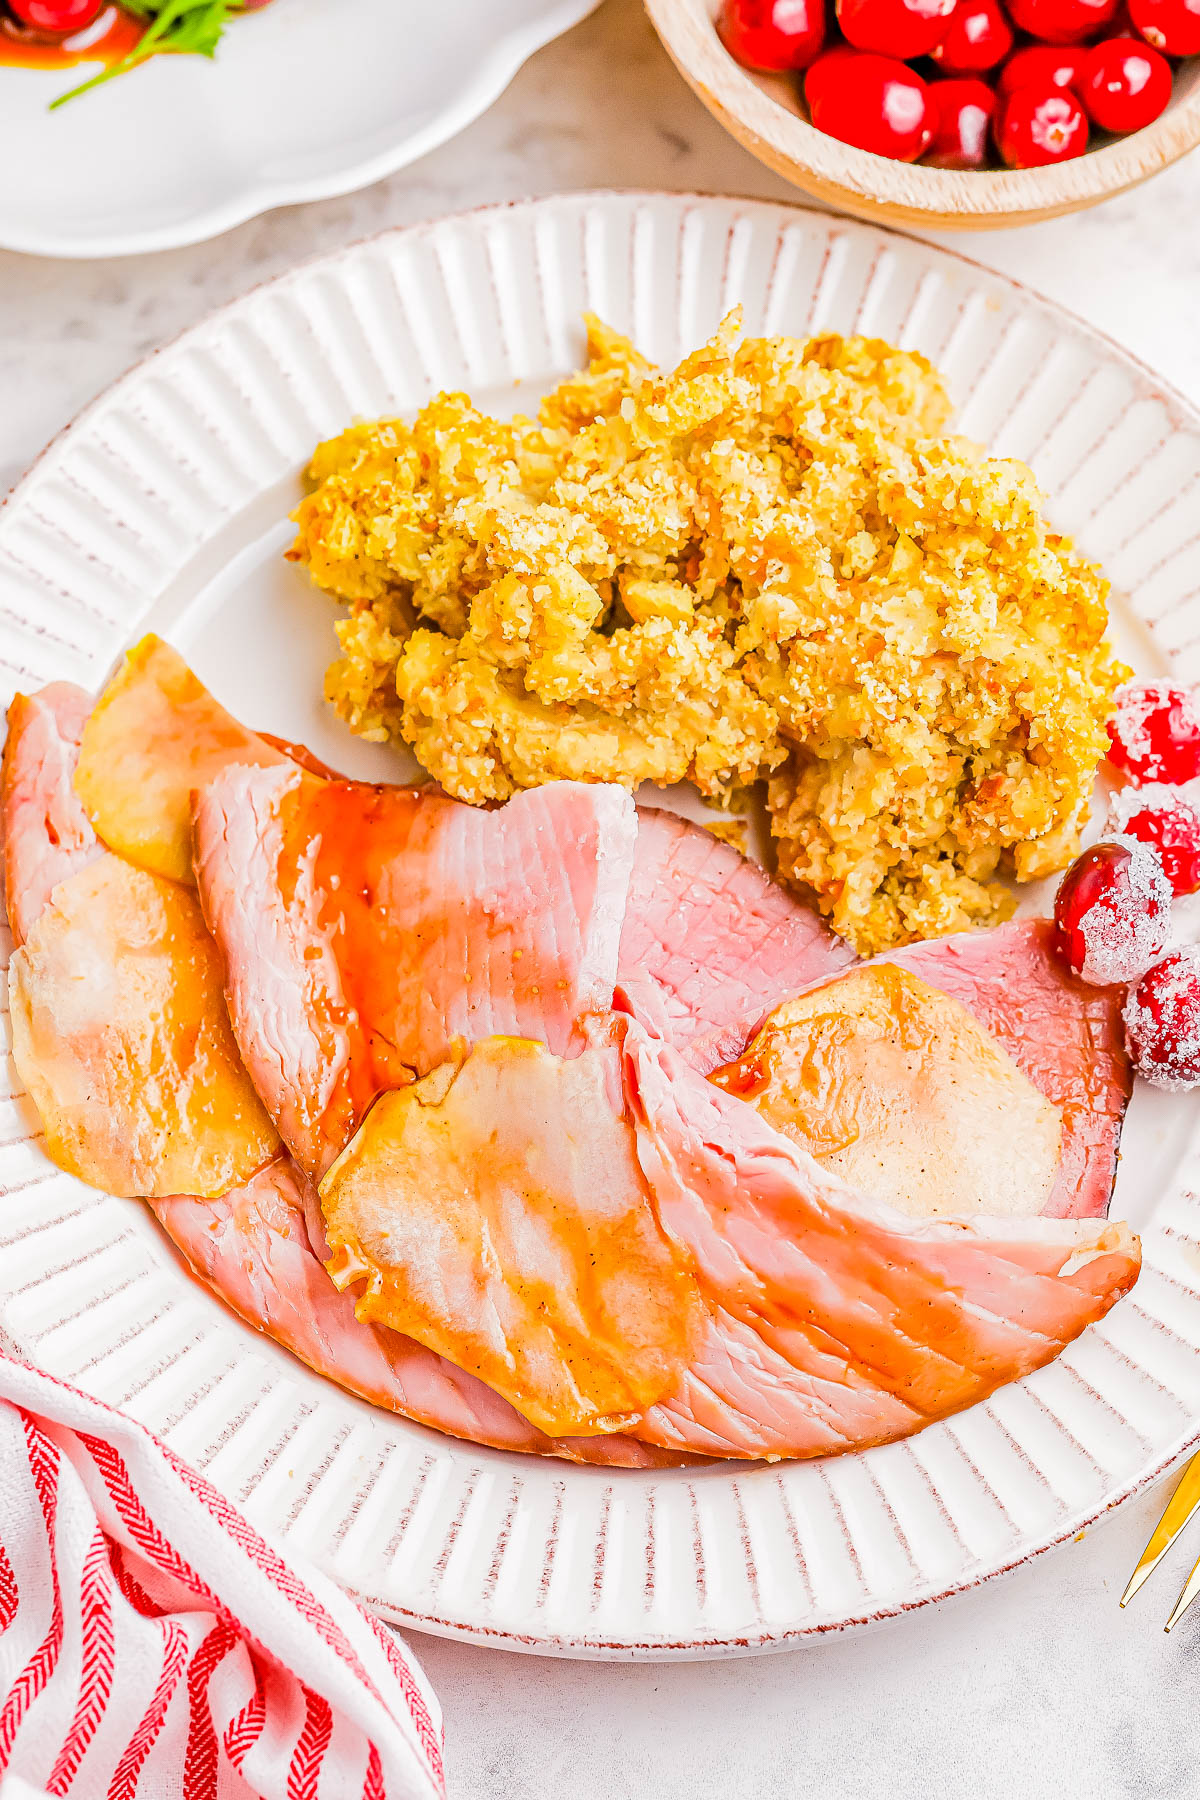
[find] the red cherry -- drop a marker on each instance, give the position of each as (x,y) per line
(1172,26)
(1062,21)
(1040,125)
(1126,85)
(56,15)
(903,28)
(1155,732)
(977,38)
(873,102)
(962,112)
(1162,818)
(1162,1021)
(773,34)
(1039,64)
(1112,913)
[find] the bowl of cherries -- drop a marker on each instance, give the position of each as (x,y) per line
(948,112)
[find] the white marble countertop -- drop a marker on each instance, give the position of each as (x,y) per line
(1037,1686)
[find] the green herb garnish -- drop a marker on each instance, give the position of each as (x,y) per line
(189,26)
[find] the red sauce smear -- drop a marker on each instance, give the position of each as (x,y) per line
(108,39)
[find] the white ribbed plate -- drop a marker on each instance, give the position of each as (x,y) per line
(305,99)
(164,505)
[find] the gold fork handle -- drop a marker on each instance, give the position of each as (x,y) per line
(1184,1502)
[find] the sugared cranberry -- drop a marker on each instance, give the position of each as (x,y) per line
(773,34)
(873,102)
(1162,1021)
(56,15)
(1170,824)
(1061,21)
(1039,65)
(1040,125)
(1112,912)
(1126,85)
(1155,732)
(902,28)
(1172,26)
(962,112)
(977,37)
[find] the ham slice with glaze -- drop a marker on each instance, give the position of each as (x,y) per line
(364,930)
(47,835)
(253,1245)
(816,1319)
(837,1322)
(1064,1035)
(710,943)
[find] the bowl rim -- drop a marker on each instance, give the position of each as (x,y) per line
(908,193)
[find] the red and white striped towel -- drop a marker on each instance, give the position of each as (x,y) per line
(153,1646)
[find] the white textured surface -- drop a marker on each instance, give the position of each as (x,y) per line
(1038,1685)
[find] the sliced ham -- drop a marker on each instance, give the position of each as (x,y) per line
(154,735)
(1064,1035)
(252,1243)
(811,1319)
(497,1213)
(896,1087)
(47,834)
(121,1036)
(835,1321)
(364,930)
(710,943)
(253,1247)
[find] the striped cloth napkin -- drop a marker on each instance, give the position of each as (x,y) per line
(154,1647)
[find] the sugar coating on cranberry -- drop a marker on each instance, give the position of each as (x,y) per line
(1112,912)
(1169,822)
(1154,734)
(1162,1021)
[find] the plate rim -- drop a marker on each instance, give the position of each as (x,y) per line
(1184,412)
(478,94)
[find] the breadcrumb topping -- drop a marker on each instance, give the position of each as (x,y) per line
(772,563)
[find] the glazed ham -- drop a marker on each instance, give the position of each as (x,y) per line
(253,1246)
(120,1032)
(810,1319)
(1063,1034)
(837,1322)
(710,942)
(47,834)
(364,930)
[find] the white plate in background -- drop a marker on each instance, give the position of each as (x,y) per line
(165,505)
(305,99)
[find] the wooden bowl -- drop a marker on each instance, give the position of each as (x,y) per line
(766,113)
